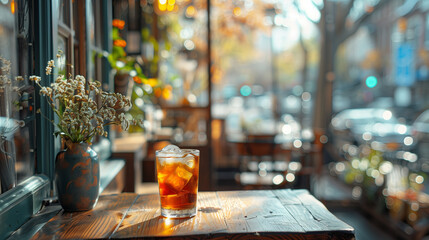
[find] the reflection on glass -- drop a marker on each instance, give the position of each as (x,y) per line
(181,49)
(266,53)
(65,11)
(61,61)
(16,98)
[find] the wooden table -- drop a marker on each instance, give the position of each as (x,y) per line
(262,214)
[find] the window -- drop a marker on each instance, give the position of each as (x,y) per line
(95,44)
(65,38)
(20,139)
(17,133)
(31,33)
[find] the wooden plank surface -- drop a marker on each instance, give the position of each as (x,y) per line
(256,211)
(144,219)
(262,214)
(311,214)
(97,223)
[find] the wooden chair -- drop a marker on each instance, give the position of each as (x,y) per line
(256,148)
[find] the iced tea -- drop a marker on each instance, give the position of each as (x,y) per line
(177,172)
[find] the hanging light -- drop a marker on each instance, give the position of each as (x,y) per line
(13,6)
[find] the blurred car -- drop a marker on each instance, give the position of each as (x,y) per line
(420,132)
(366,125)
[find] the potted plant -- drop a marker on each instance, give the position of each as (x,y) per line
(83,110)
(118,58)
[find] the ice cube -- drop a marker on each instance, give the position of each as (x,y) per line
(189,160)
(178,179)
(183,173)
(171,148)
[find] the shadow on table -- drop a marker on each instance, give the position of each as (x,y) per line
(156,226)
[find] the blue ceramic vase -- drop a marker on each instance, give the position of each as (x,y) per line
(77,176)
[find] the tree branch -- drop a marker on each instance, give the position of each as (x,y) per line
(317,6)
(341,21)
(341,37)
(295,3)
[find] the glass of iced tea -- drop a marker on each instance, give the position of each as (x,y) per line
(177,172)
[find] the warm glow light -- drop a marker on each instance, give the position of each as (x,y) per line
(216,129)
(295,166)
(151,82)
(190,11)
(12,7)
(162,5)
(237,11)
(170,7)
(278,179)
(167,92)
(290,177)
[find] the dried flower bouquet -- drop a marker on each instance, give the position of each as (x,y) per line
(81,117)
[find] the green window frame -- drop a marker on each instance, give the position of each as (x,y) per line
(23,201)
(19,204)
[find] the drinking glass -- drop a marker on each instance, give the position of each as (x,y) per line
(177,173)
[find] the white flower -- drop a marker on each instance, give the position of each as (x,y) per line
(51,63)
(83,109)
(59,79)
(48,70)
(81,79)
(35,79)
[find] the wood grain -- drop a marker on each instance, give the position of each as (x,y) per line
(144,219)
(97,223)
(262,214)
(256,211)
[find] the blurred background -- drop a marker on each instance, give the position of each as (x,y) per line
(328,95)
(325,95)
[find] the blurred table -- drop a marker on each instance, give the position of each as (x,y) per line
(267,214)
(272,149)
(132,149)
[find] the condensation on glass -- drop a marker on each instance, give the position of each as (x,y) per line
(17,145)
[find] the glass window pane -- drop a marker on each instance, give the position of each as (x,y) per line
(76,21)
(96,22)
(61,62)
(91,24)
(65,12)
(17,143)
(264,64)
(176,51)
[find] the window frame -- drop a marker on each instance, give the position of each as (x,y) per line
(23,201)
(19,204)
